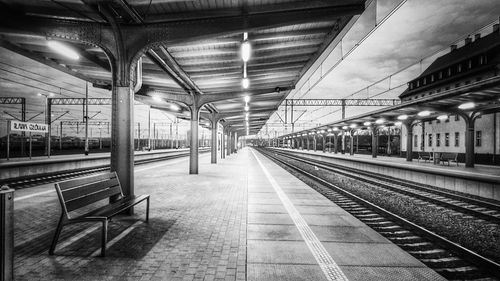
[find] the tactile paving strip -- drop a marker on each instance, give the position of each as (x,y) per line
(329,267)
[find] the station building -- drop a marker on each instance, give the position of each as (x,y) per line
(476,60)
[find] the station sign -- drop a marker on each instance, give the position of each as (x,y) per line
(29,127)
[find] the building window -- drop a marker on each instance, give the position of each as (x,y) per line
(432,78)
(415,141)
(449,71)
(478,138)
(469,64)
(483,60)
(430,140)
(446,139)
(418,83)
(457,139)
(459,68)
(440,75)
(438,140)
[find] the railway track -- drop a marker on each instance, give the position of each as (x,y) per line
(481,209)
(38,179)
(447,258)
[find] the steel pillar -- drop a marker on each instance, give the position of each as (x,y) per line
(307,143)
(409,141)
(374,142)
(315,143)
(193,147)
(122,137)
(6,233)
(343,143)
(213,147)
(324,142)
(336,143)
(223,144)
(228,148)
(351,143)
(469,141)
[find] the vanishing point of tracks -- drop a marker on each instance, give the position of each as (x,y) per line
(449,259)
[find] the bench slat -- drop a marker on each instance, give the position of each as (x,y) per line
(114,208)
(81,181)
(92,198)
(80,191)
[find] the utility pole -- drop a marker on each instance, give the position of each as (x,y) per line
(86,118)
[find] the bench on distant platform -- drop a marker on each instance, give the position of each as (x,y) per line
(426,156)
(448,157)
(87,200)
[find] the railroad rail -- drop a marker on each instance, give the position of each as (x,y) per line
(447,258)
(482,209)
(37,179)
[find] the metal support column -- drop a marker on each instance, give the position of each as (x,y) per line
(374,142)
(213,145)
(6,233)
(335,143)
(122,137)
(469,141)
(315,143)
(228,144)
(193,148)
(351,142)
(409,141)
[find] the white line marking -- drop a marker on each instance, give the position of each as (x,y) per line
(329,267)
(117,238)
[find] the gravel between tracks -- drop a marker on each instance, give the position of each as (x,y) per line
(469,232)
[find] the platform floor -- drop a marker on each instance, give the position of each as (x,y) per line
(478,170)
(242,219)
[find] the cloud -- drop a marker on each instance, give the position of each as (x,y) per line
(418,28)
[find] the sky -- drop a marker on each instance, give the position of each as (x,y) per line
(418,28)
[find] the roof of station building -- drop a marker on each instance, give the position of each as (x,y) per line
(489,44)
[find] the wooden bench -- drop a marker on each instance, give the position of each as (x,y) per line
(426,156)
(448,157)
(86,200)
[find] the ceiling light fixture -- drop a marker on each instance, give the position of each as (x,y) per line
(175,107)
(63,50)
(246,48)
(399,123)
(353,125)
(442,117)
(157,98)
(344,127)
(380,121)
(247,108)
(424,113)
(335,129)
(403,117)
(245,83)
(467,105)
(367,123)
(246,99)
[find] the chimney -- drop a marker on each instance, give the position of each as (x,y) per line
(477,36)
(453,47)
(495,28)
(468,40)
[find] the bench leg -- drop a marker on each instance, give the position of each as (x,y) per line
(56,235)
(104,237)
(147,210)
